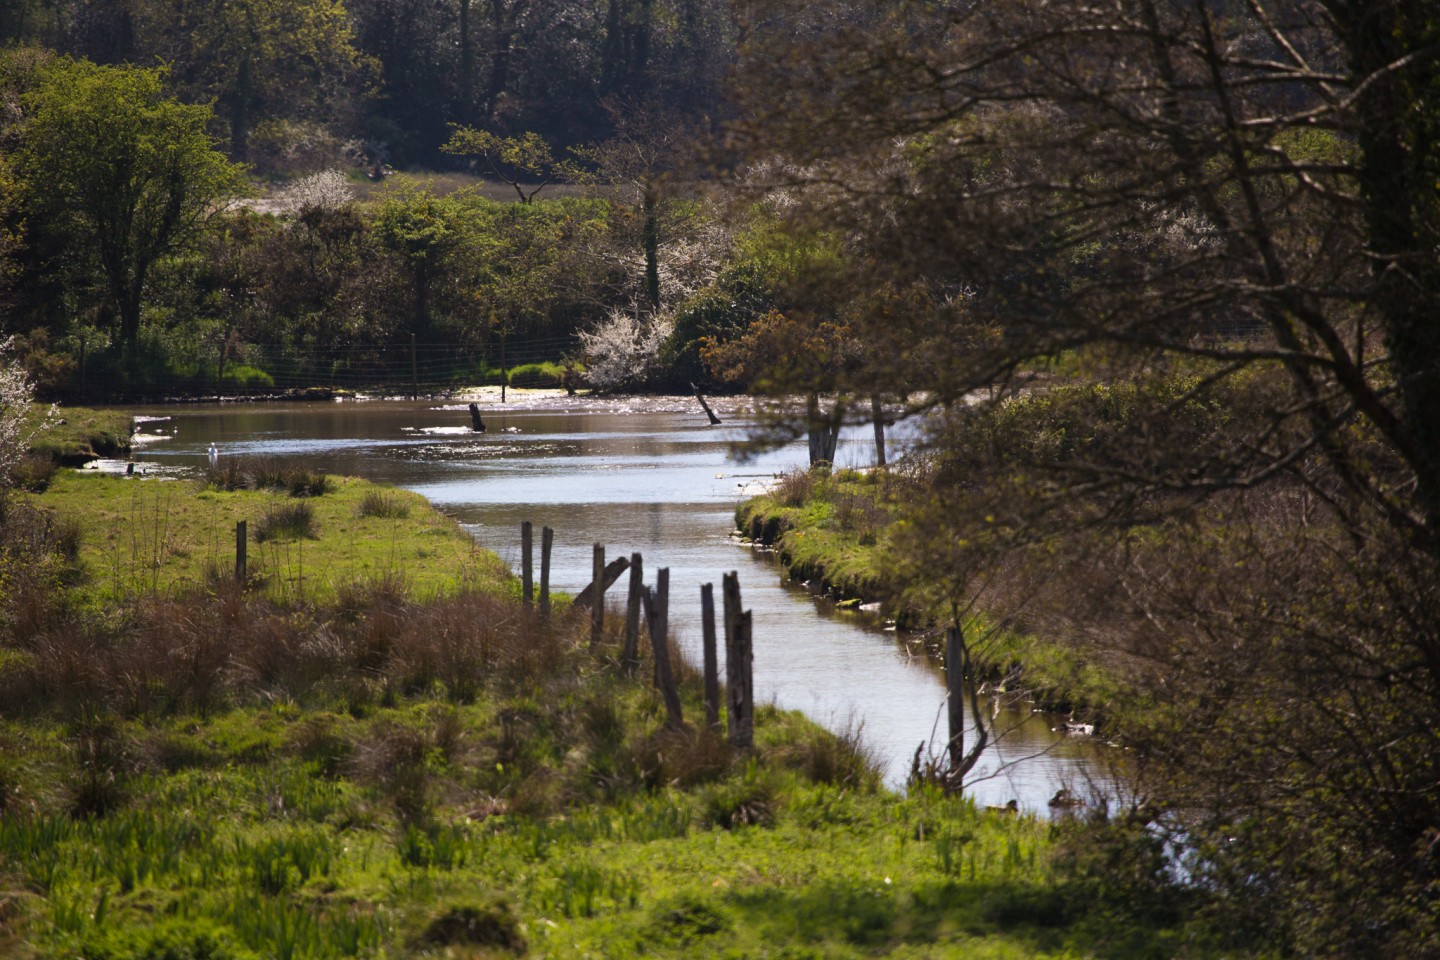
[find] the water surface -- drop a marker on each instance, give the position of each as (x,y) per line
(647,475)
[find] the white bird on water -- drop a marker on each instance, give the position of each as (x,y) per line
(214,455)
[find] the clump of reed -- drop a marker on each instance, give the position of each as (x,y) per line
(263,473)
(387,506)
(288,521)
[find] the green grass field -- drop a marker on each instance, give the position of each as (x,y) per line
(149,536)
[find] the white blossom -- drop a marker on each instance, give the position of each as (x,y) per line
(326,190)
(624,348)
(16,396)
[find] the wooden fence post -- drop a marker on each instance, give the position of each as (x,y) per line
(658,615)
(711,655)
(527,561)
(630,656)
(241,573)
(547,541)
(597,601)
(739,677)
(742,695)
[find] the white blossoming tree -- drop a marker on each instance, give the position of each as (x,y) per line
(625,348)
(323,191)
(16,396)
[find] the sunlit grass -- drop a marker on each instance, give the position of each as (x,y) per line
(145,535)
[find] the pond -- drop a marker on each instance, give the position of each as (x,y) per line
(648,475)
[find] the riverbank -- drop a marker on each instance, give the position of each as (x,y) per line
(211,771)
(833,531)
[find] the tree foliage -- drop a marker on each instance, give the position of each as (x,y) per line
(258,59)
(122,171)
(1221,221)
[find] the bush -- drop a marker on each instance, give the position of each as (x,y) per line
(489,923)
(540,375)
(750,801)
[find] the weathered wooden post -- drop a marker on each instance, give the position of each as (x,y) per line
(547,541)
(241,574)
(955,696)
(738,666)
(414,371)
(711,656)
(630,656)
(742,695)
(714,420)
(597,601)
(661,614)
(657,611)
(527,561)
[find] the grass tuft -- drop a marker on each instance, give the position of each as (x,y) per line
(383,504)
(291,521)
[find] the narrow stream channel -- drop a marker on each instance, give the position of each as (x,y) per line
(644,474)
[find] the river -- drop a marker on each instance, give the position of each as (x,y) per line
(649,475)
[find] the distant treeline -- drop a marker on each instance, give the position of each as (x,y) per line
(295,82)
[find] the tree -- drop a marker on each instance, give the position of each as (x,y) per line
(421,230)
(641,161)
(10,229)
(16,395)
(511,160)
(123,171)
(259,58)
(1226,215)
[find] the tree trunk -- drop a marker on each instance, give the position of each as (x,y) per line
(877,414)
(1399,143)
(240,113)
(650,207)
(466,80)
(824,432)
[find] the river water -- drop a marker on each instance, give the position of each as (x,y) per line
(647,475)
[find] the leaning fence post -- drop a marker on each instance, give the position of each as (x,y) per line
(547,541)
(630,656)
(240,541)
(659,621)
(527,561)
(597,601)
(711,655)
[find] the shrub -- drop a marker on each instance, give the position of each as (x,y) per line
(750,801)
(547,374)
(488,923)
(794,489)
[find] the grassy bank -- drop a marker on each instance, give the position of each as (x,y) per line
(835,531)
(143,536)
(76,435)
